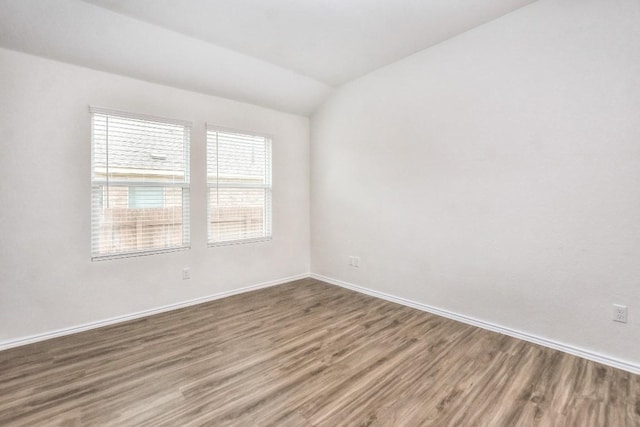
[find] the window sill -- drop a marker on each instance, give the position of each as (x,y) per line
(239,242)
(139,253)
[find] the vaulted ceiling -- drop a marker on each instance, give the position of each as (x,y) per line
(283,54)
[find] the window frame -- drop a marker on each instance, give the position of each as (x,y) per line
(268,206)
(185,184)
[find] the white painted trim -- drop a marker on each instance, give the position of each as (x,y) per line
(576,351)
(119,319)
(567,348)
(138,116)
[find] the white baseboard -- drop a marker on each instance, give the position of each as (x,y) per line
(75,329)
(576,351)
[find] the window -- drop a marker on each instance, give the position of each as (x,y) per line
(140,184)
(146,197)
(239,187)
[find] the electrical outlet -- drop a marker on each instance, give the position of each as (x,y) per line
(619,313)
(351,261)
(356,261)
(186,273)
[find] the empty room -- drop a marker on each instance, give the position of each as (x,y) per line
(320,213)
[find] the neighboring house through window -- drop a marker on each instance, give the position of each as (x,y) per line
(239,186)
(146,197)
(140,184)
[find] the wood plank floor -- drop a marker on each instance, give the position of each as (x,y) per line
(306,354)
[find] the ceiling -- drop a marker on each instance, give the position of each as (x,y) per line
(283,54)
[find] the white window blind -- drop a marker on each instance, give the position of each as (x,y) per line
(239,187)
(140,184)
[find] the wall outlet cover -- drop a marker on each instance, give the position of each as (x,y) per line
(620,313)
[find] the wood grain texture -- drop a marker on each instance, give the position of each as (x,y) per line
(306,354)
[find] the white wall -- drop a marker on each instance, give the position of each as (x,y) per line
(47,280)
(496,175)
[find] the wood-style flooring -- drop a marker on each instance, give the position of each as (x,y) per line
(306,354)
